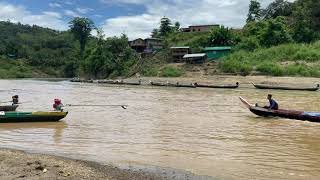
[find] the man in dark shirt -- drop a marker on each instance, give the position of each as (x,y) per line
(272,103)
(15,99)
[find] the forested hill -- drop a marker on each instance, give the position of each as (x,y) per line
(33,51)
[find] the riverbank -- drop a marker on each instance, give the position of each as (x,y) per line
(18,164)
(15,164)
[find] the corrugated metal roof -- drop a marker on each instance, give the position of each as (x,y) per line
(194,55)
(222,48)
(181,47)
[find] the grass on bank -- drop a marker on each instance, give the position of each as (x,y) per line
(282,60)
(19,68)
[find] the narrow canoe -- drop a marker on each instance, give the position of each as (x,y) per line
(119,82)
(217,86)
(264,86)
(283,113)
(173,85)
(8,108)
(82,80)
(14,116)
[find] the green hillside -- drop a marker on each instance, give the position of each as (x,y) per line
(282,60)
(33,51)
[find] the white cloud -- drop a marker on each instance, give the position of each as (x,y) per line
(133,26)
(98,16)
(230,13)
(83,10)
(55,5)
(52,14)
(20,14)
(71,13)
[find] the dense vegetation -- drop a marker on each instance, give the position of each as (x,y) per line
(279,40)
(32,51)
(282,39)
(287,59)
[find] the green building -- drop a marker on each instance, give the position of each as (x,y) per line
(217,52)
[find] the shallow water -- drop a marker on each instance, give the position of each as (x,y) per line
(204,131)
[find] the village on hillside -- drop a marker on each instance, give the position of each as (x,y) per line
(181,54)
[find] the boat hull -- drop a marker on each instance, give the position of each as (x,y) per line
(217,86)
(288,114)
(173,85)
(9,108)
(261,86)
(118,82)
(15,117)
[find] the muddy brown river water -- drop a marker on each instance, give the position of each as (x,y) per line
(203,131)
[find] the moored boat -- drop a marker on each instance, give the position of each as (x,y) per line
(217,86)
(265,86)
(119,82)
(14,116)
(173,85)
(283,113)
(8,108)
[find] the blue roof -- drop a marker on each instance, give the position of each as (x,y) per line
(221,48)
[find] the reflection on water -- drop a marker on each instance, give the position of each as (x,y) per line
(205,131)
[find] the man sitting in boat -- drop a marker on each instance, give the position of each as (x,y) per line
(15,99)
(57,106)
(272,103)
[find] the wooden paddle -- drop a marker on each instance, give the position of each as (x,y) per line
(5,101)
(16,103)
(102,105)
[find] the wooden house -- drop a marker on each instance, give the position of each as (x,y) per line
(177,53)
(148,45)
(199,28)
(154,44)
(139,45)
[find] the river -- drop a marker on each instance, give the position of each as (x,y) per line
(203,131)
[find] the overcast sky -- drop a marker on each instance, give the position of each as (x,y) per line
(136,18)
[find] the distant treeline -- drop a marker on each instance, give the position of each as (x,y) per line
(32,51)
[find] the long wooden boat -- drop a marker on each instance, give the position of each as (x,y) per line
(119,82)
(265,86)
(14,116)
(217,86)
(8,108)
(173,85)
(283,113)
(82,80)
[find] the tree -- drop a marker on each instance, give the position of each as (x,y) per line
(305,20)
(176,27)
(277,8)
(98,60)
(221,36)
(165,27)
(254,11)
(302,26)
(275,33)
(155,33)
(81,29)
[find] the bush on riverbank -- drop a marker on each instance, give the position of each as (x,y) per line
(287,59)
